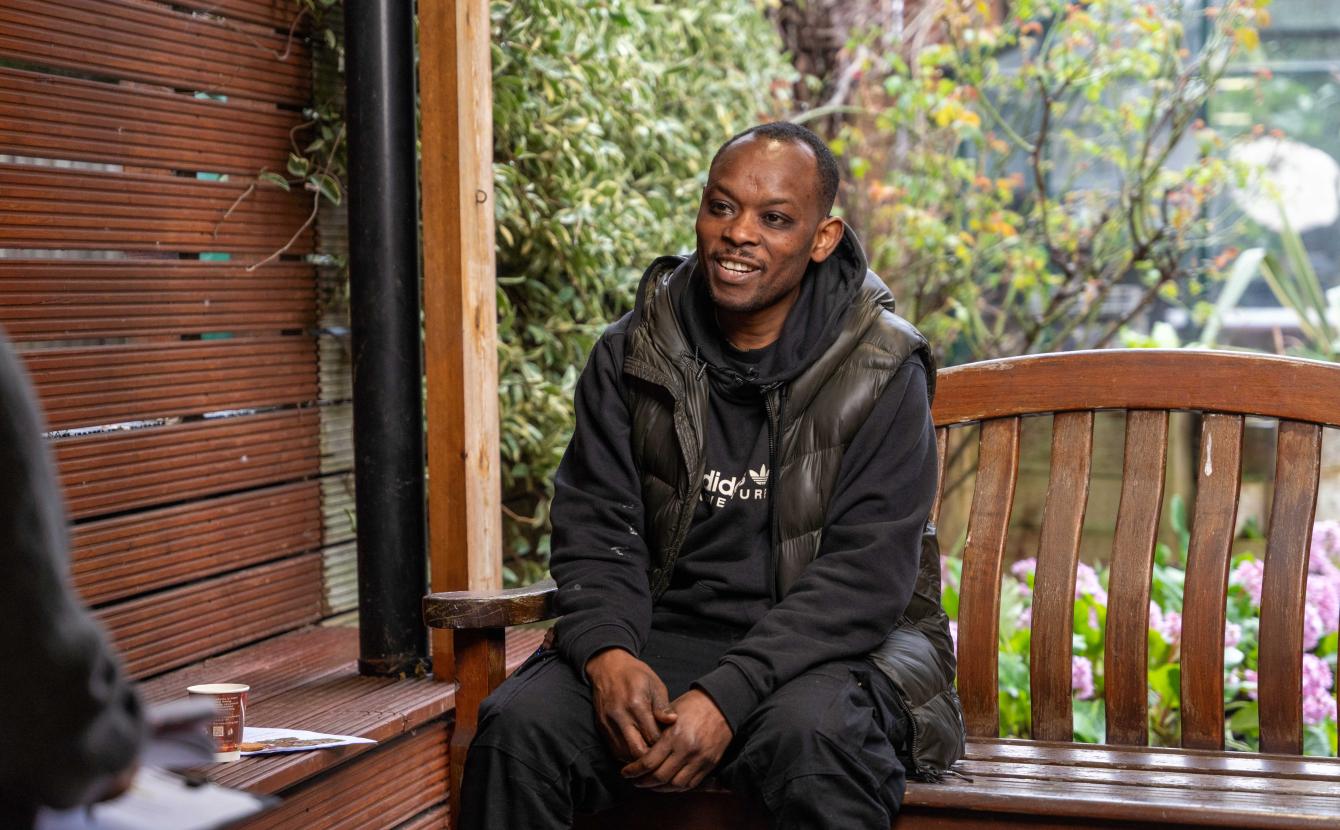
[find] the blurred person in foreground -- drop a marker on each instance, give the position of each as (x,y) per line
(71,725)
(748,581)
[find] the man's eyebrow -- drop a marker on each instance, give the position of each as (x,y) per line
(726,192)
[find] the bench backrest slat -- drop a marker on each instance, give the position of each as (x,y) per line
(1218,481)
(1297,475)
(1054,579)
(1125,660)
(942,456)
(979,599)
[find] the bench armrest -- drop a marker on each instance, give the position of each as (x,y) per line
(490,609)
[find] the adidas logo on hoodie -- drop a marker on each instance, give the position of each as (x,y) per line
(719,489)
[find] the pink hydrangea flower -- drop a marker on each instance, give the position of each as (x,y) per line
(1171,627)
(1086,582)
(1081,677)
(1323,563)
(1155,616)
(1325,544)
(1232,634)
(1024,568)
(1318,709)
(1313,627)
(1318,702)
(1323,594)
(1324,568)
(1249,575)
(953,633)
(1086,578)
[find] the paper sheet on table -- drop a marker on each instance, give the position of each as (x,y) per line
(292,740)
(179,734)
(159,800)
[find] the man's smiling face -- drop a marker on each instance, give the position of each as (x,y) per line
(759,226)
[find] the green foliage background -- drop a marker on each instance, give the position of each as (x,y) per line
(1014,177)
(605,118)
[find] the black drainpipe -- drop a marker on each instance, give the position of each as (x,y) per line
(384,310)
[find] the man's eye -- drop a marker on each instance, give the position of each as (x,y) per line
(775,219)
(719,207)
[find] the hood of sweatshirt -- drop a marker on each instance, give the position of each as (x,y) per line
(827,293)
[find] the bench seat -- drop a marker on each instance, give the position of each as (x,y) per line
(1061,780)
(308,679)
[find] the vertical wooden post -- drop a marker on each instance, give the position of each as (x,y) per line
(460,306)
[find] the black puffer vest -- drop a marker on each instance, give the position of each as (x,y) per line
(812,419)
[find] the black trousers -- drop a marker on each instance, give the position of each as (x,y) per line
(820,752)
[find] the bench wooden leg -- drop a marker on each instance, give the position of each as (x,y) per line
(480,666)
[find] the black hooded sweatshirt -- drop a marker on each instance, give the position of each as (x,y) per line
(721,586)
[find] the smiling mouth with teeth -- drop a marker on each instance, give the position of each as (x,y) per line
(736,267)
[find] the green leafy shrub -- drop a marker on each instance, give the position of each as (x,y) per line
(1010,177)
(1241,643)
(605,117)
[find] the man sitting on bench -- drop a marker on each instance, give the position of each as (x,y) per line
(739,523)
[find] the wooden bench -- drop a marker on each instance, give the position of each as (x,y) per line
(1050,780)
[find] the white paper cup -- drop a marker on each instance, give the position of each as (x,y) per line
(230,715)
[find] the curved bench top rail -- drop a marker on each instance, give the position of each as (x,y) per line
(1176,379)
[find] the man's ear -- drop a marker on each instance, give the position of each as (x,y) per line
(826,238)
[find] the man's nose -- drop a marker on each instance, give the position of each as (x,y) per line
(741,230)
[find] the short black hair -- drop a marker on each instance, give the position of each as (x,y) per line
(827,172)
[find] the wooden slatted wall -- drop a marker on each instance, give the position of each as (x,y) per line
(198,407)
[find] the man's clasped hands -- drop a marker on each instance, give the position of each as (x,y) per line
(668,746)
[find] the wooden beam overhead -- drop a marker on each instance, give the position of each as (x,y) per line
(460,306)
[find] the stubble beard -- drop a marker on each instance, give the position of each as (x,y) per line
(755,302)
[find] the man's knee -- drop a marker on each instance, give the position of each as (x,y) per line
(807,703)
(781,738)
(819,752)
(827,722)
